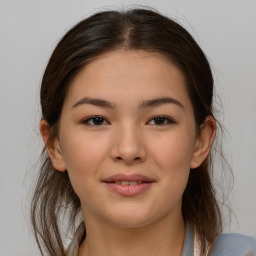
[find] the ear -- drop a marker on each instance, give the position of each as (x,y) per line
(204,142)
(53,148)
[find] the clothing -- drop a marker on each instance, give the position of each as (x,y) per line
(224,244)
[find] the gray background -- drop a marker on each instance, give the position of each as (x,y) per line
(29,30)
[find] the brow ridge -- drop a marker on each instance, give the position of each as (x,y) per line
(144,104)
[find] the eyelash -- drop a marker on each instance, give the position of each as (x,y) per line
(86,121)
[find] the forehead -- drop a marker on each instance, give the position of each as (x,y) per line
(128,74)
(137,63)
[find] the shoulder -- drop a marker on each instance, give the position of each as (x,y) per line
(234,245)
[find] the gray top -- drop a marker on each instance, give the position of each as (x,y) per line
(224,244)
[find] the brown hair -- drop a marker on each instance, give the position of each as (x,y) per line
(105,31)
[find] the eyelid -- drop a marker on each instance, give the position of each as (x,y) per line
(87,119)
(169,120)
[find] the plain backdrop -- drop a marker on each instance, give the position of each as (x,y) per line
(29,31)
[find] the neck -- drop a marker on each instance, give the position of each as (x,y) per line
(163,237)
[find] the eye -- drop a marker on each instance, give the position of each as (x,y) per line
(95,121)
(161,120)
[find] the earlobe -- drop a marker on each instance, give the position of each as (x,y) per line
(204,142)
(53,148)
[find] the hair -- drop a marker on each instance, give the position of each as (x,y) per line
(132,29)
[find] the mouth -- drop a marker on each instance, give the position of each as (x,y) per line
(129,185)
(128,179)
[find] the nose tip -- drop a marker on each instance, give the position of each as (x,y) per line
(129,153)
(129,147)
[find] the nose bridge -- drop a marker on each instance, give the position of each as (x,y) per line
(128,143)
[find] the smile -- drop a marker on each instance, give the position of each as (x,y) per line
(128,183)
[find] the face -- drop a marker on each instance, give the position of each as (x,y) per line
(127,138)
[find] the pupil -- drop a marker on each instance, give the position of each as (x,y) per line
(97,120)
(159,120)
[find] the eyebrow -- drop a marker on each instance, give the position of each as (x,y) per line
(144,104)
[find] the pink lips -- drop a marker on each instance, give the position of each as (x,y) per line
(143,184)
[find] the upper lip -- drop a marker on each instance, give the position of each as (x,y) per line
(128,177)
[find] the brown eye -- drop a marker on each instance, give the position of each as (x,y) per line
(161,120)
(95,121)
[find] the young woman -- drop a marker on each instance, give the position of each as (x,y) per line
(128,125)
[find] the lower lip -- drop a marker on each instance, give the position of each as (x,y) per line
(129,190)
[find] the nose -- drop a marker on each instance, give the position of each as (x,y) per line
(128,145)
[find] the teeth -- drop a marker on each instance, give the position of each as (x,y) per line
(125,183)
(128,183)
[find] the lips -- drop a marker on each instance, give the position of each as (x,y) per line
(128,185)
(117,178)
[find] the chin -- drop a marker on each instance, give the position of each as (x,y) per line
(132,223)
(130,218)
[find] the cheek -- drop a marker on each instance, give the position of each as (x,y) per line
(83,156)
(173,154)
(174,150)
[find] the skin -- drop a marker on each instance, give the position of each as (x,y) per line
(129,140)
